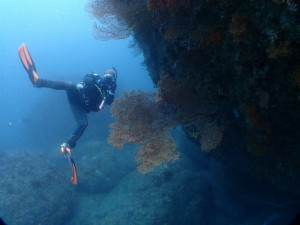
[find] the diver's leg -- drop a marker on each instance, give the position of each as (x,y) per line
(79,113)
(82,123)
(54,84)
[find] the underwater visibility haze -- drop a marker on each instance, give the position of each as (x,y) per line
(204,125)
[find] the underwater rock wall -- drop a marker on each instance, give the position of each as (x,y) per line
(240,58)
(231,69)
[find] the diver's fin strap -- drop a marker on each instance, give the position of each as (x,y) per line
(26,59)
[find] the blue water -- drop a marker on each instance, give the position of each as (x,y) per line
(59,36)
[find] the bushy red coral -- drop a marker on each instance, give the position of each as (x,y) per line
(189,102)
(116,18)
(193,109)
(211,137)
(160,147)
(167,16)
(143,121)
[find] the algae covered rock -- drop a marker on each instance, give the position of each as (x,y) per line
(100,167)
(33,190)
(149,198)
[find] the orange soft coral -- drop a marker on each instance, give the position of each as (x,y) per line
(116,18)
(193,109)
(143,121)
(159,148)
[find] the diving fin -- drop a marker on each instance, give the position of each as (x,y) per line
(67,153)
(28,63)
(74,173)
(73,168)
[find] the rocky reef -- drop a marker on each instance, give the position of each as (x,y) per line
(34,190)
(189,191)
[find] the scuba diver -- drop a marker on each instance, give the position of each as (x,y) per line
(89,95)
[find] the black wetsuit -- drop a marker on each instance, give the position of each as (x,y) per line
(84,97)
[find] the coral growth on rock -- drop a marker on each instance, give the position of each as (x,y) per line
(116,18)
(181,94)
(232,74)
(146,119)
(142,121)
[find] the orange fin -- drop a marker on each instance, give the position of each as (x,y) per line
(73,167)
(74,173)
(26,58)
(28,63)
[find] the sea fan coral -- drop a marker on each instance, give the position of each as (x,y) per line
(159,148)
(143,121)
(116,18)
(211,137)
(180,93)
(193,110)
(167,16)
